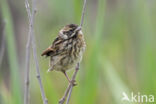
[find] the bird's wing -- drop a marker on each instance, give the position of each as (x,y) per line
(54,49)
(53,61)
(48,51)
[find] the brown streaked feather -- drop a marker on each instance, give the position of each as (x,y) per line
(57,41)
(53,49)
(48,51)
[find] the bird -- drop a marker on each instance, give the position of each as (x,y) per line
(66,50)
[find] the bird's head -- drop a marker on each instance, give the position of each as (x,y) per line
(69,31)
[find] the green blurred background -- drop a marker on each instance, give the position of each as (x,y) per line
(120,55)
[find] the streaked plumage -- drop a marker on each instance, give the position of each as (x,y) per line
(67,49)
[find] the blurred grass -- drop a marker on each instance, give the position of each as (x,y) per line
(89,86)
(116,85)
(146,49)
(12,55)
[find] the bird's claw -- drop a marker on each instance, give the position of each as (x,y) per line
(73,82)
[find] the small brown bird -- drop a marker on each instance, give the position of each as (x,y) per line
(66,50)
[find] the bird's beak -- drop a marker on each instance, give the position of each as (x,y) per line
(79,28)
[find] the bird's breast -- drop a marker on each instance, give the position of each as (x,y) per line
(72,53)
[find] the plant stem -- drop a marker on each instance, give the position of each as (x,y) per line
(28,45)
(2,48)
(70,86)
(31,41)
(73,78)
(83,13)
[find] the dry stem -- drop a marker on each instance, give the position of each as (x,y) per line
(2,48)
(70,86)
(31,39)
(73,78)
(83,13)
(27,62)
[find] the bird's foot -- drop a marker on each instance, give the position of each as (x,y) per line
(73,82)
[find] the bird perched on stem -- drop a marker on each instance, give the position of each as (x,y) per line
(66,50)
